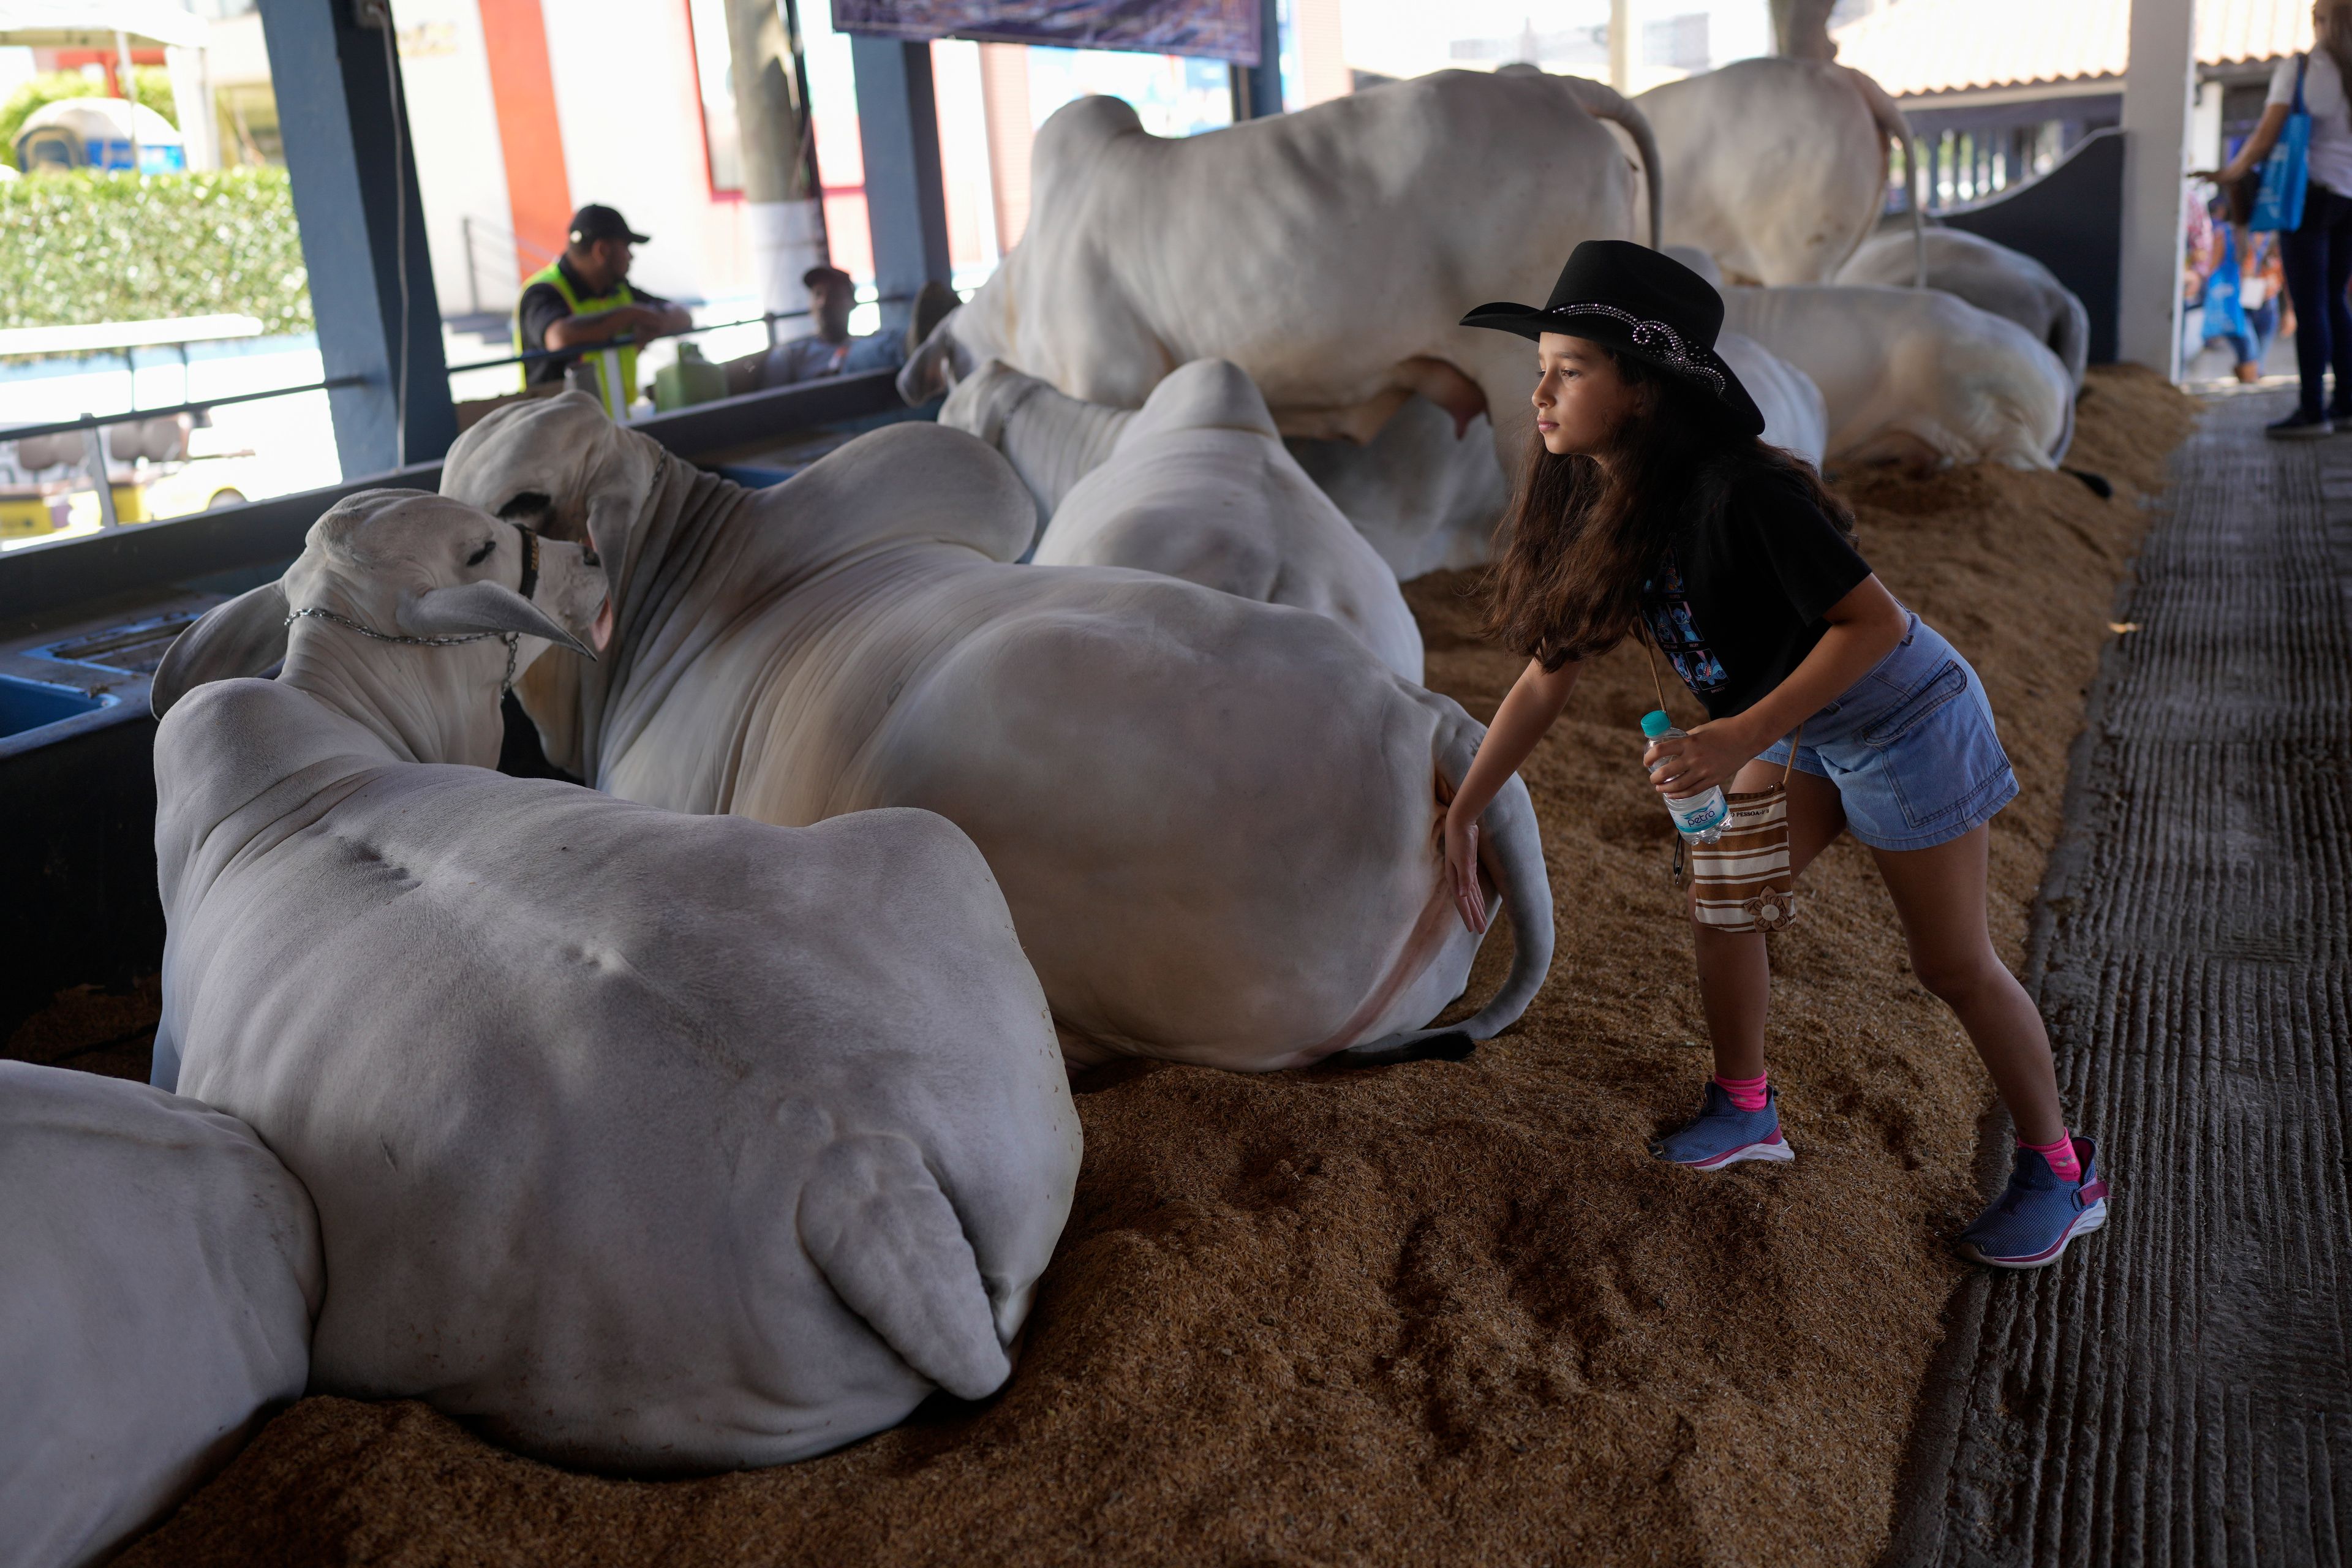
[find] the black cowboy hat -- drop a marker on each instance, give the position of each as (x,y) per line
(1631,299)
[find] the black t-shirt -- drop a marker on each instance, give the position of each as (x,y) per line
(1738,603)
(542,307)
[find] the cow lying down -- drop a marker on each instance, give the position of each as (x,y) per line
(1214,819)
(647,1142)
(1195,484)
(1991,277)
(158,1273)
(1914,376)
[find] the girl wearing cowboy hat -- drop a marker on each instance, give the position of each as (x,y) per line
(1649,508)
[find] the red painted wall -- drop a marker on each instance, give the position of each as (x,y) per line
(522,87)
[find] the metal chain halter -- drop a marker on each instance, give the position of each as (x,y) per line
(512,639)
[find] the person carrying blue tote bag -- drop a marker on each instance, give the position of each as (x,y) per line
(2303,144)
(2279,205)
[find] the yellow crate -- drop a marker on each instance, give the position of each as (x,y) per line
(25,517)
(130,505)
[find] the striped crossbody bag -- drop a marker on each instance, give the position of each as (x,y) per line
(1743,878)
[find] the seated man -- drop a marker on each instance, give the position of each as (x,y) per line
(585,300)
(831,351)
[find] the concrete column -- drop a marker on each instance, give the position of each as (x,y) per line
(782,217)
(192,99)
(1801,29)
(355,200)
(2159,91)
(906,200)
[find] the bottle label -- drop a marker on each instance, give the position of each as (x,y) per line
(1700,814)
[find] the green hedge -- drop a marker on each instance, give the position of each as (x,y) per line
(83,247)
(150,84)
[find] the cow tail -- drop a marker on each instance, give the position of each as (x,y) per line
(1510,847)
(1605,102)
(1894,126)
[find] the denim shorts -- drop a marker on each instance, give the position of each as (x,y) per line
(1911,748)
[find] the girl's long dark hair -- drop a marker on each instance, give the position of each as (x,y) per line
(1579,538)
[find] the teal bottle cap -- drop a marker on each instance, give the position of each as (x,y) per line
(1656,724)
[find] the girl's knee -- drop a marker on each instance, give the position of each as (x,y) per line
(1957,978)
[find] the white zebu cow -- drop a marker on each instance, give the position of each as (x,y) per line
(651,1141)
(1196,484)
(1992,278)
(1329,253)
(1776,167)
(1427,498)
(1214,819)
(1796,416)
(158,1273)
(1915,376)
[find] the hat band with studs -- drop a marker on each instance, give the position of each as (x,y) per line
(1649,335)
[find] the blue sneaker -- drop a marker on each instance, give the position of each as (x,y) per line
(2030,1223)
(1723,1135)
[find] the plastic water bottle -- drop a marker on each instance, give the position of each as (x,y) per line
(1698,816)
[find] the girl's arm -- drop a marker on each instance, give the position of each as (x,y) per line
(1534,701)
(1864,626)
(2257,146)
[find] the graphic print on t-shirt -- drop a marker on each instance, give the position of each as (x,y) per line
(1667,606)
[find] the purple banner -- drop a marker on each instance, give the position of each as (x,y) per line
(1219,29)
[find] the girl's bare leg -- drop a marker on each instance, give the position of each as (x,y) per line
(1735,979)
(1941,895)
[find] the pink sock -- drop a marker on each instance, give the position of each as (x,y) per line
(1747,1093)
(2061,1155)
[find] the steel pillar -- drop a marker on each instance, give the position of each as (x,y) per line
(2159,88)
(352,180)
(906,201)
(1257,89)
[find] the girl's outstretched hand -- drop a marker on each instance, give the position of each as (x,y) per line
(1462,867)
(1689,764)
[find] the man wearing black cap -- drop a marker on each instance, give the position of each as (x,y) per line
(585,300)
(831,351)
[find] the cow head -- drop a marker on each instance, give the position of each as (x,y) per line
(558,465)
(409,580)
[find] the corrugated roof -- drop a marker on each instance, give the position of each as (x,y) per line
(1950,45)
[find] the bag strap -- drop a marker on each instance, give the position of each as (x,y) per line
(1650,648)
(2302,64)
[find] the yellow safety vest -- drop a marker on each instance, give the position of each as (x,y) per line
(552,273)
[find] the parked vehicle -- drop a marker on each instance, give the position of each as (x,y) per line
(99,133)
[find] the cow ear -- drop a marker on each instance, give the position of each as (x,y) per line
(469,607)
(875,1224)
(244,636)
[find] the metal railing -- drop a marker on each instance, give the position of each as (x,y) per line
(94,445)
(514,243)
(608,353)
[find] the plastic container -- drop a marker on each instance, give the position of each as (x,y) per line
(1697,817)
(691,380)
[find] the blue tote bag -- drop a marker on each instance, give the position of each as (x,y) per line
(2288,168)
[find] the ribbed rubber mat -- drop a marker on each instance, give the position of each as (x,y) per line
(2178,1390)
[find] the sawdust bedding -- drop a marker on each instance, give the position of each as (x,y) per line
(1433,1313)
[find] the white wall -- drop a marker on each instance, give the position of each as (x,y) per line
(631,117)
(452,126)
